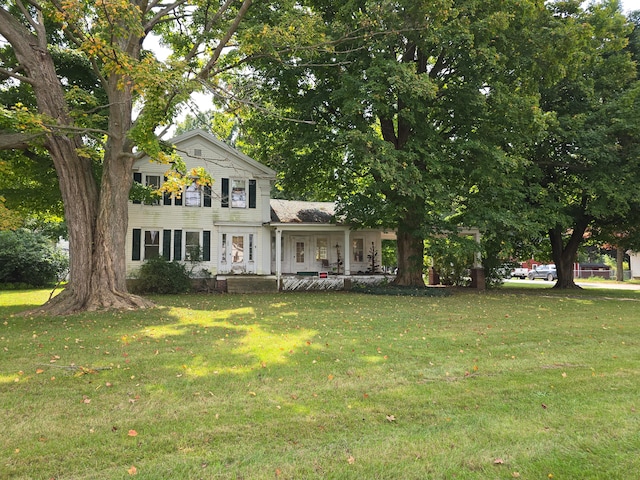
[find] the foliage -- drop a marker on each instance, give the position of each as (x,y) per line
(452,258)
(9,220)
(30,258)
(508,384)
(584,175)
(415,115)
(497,260)
(158,275)
(389,254)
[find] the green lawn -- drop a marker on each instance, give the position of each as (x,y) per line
(520,383)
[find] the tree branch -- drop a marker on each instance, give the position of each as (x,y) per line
(225,39)
(18,141)
(17,76)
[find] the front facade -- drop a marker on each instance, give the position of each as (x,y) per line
(634,264)
(233,227)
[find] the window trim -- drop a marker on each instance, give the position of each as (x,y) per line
(241,202)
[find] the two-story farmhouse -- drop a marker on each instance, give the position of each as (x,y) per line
(234,227)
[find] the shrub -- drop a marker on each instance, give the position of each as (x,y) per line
(30,258)
(158,275)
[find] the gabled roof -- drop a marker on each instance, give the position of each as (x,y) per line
(291,211)
(206,136)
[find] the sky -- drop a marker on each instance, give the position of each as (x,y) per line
(630,5)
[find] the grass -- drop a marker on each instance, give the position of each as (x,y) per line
(518,383)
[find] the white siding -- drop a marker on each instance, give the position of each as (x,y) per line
(221,162)
(635,264)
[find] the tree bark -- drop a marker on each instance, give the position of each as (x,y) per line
(410,254)
(96,218)
(564,256)
(619,263)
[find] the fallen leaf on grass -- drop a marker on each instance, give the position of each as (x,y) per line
(391,418)
(351,460)
(498,461)
(133,470)
(133,433)
(39,371)
(86,399)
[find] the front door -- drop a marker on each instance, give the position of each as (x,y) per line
(238,260)
(237,253)
(299,254)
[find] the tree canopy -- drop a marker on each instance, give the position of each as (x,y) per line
(419,112)
(419,116)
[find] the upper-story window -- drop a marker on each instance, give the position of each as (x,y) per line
(153,181)
(238,193)
(192,195)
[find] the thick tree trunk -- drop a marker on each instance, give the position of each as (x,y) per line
(410,255)
(96,218)
(564,256)
(619,263)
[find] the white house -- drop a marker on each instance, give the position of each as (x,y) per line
(634,264)
(234,227)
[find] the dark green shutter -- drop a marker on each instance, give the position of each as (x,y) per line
(206,245)
(135,251)
(252,194)
(137,177)
(224,198)
(166,244)
(177,244)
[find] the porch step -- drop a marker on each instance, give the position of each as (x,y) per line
(243,284)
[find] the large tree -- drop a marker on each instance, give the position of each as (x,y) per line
(410,108)
(141,93)
(584,177)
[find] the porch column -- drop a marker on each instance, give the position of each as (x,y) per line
(347,254)
(278,254)
(477,263)
(477,272)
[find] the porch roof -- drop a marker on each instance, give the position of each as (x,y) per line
(296,212)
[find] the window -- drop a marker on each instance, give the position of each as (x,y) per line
(197,152)
(151,244)
(192,195)
(358,250)
(240,197)
(299,252)
(238,194)
(322,249)
(192,246)
(153,181)
(223,248)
